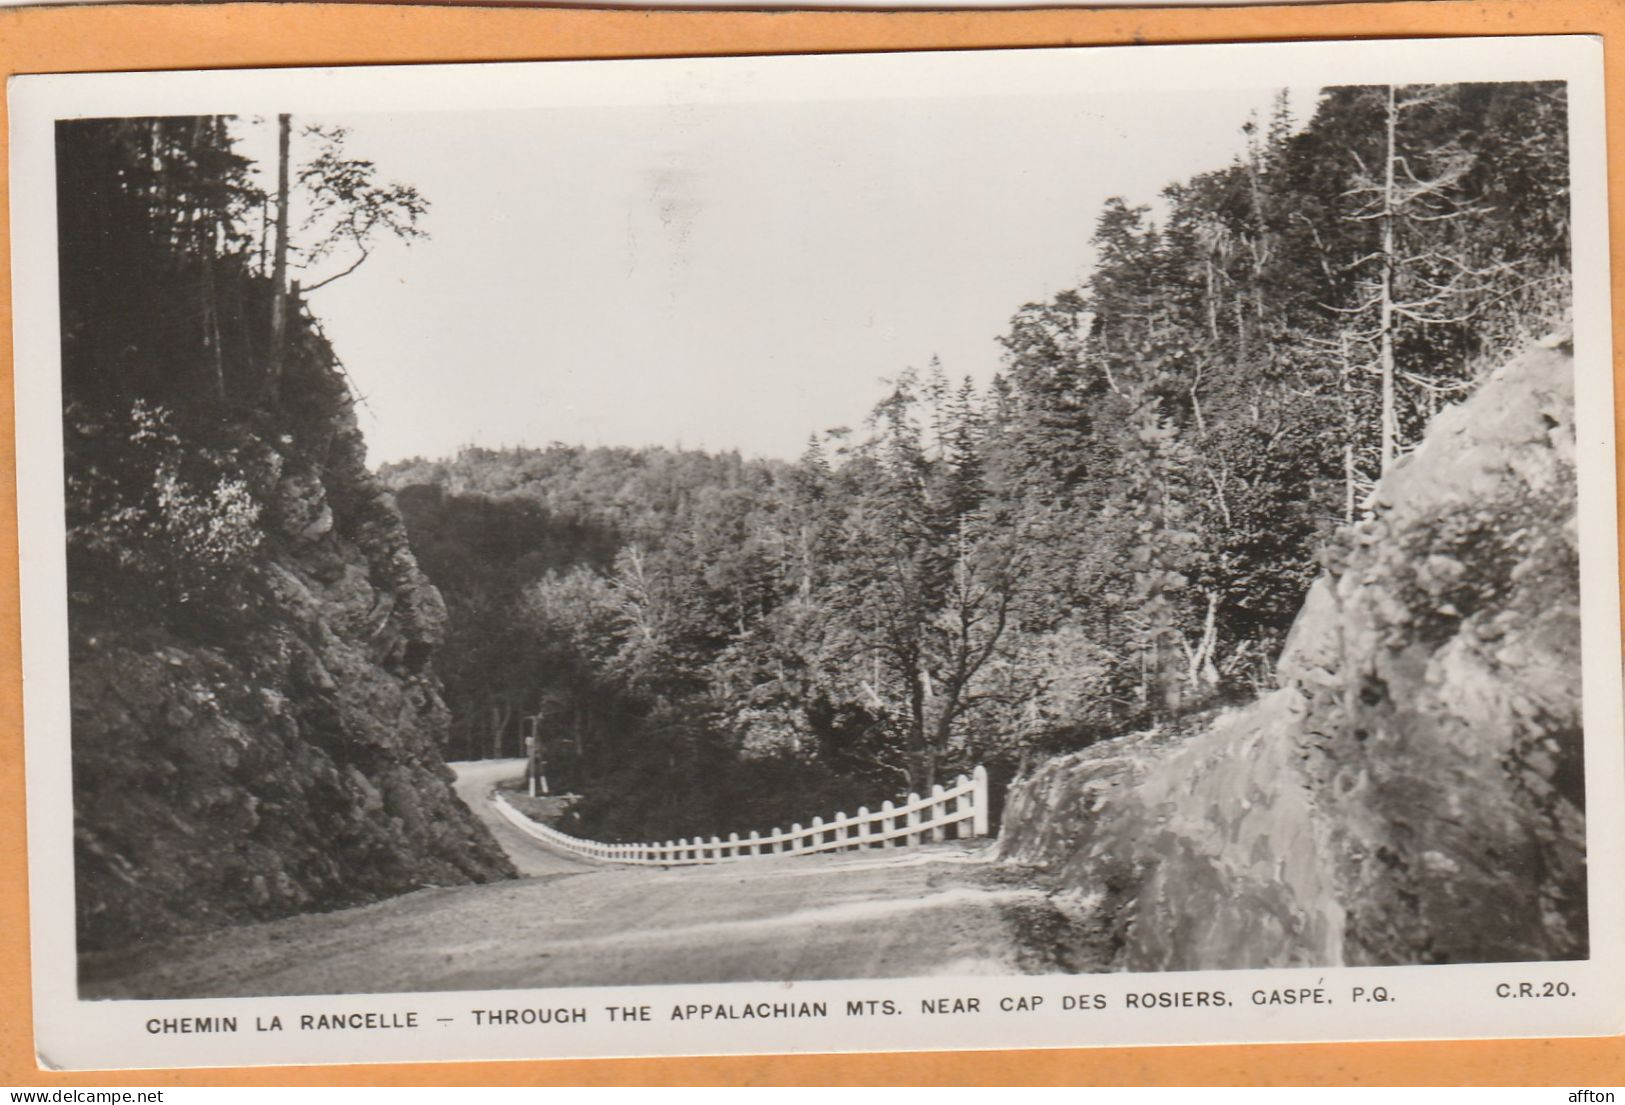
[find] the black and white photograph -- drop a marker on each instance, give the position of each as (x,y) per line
(1019,548)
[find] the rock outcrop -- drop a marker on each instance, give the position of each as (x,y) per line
(280,751)
(1413,792)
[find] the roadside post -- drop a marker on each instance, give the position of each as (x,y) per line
(535,766)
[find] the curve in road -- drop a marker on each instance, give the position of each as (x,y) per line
(940,910)
(475,781)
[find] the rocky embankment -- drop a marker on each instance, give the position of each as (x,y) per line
(1413,792)
(281,751)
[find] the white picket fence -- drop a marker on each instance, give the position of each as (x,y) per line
(960,810)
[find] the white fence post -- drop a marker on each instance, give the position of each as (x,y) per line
(842,831)
(913,819)
(795,836)
(939,833)
(888,822)
(817,833)
(979,799)
(864,832)
(755,848)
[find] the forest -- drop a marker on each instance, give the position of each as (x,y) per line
(1115,533)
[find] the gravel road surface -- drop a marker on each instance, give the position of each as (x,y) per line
(941,910)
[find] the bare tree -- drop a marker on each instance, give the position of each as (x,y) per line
(279,263)
(1420,273)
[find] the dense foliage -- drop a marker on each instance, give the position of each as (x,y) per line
(188,407)
(162,368)
(1117,530)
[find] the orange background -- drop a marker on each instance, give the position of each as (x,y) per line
(49,40)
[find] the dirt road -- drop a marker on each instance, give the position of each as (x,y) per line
(943,910)
(475,779)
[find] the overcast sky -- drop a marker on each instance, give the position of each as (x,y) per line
(727,276)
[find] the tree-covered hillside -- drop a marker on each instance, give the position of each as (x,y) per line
(1117,530)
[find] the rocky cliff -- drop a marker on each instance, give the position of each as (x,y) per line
(1413,791)
(257,724)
